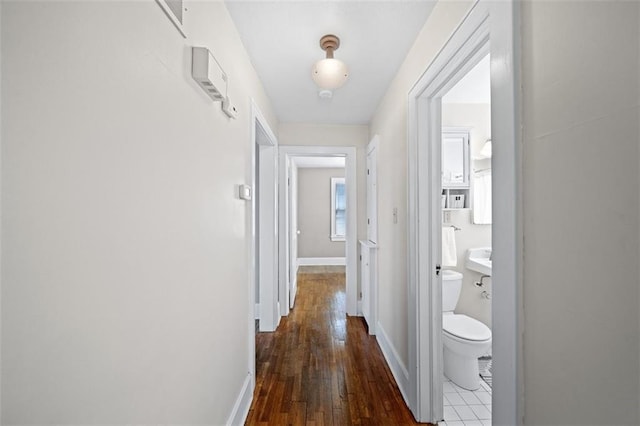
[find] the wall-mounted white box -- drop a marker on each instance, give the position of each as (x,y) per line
(208,73)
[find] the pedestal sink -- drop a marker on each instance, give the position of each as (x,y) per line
(479,260)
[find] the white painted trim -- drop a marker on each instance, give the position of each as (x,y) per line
(334,183)
(256,311)
(508,236)
(461,52)
(320,261)
(467,45)
(267,146)
(242,405)
(256,118)
(351,243)
(397,367)
(360,312)
(372,193)
(373,143)
(251,225)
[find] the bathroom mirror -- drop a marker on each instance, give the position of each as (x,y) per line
(455,158)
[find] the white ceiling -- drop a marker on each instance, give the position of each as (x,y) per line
(473,88)
(282,39)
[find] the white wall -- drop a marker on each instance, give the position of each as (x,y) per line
(580,161)
(390,122)
(470,235)
(314,212)
(125,247)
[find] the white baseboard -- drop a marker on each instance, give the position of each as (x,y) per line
(397,367)
(321,261)
(243,403)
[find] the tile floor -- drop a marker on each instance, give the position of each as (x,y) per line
(466,408)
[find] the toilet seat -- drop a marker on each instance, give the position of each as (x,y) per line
(466,328)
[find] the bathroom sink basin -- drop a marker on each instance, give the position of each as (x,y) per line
(479,260)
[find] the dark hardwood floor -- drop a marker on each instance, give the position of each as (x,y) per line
(321,367)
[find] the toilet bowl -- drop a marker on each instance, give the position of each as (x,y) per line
(465,339)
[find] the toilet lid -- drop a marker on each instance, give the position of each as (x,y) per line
(465,327)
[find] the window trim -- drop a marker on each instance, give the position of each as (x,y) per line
(334,236)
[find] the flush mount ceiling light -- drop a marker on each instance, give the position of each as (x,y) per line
(329,73)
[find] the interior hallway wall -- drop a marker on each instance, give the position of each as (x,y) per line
(581,219)
(314,213)
(125,246)
(390,122)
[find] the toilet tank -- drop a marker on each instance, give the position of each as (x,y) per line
(451,287)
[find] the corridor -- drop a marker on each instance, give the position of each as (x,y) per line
(321,367)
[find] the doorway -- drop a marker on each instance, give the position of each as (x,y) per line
(466,47)
(466,222)
(316,217)
(290,156)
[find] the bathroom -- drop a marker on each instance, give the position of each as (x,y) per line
(466,248)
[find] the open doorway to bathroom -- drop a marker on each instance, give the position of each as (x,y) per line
(466,247)
(488,28)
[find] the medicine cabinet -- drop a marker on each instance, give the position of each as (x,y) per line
(455,168)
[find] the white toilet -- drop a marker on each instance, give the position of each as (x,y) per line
(465,339)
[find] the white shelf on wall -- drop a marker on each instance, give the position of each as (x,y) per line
(448,195)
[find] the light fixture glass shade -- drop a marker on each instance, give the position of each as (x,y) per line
(329,73)
(486,149)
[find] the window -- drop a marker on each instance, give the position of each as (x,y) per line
(338,210)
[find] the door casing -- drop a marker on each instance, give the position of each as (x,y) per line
(351,241)
(496,22)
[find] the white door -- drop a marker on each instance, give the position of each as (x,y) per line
(372,190)
(293,232)
(364,282)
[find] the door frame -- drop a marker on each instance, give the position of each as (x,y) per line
(497,22)
(264,214)
(372,189)
(351,240)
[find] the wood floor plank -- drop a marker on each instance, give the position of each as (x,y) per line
(321,367)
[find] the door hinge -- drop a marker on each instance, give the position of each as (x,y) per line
(438,268)
(368,222)
(360,257)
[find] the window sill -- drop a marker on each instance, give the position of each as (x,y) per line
(336,238)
